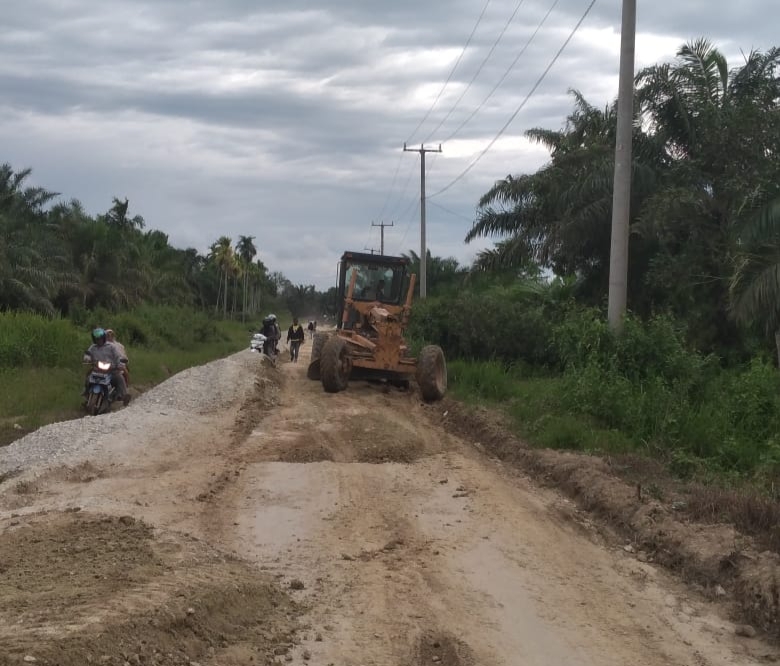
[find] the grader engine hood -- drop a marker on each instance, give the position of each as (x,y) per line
(379,315)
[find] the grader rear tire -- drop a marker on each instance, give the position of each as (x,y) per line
(432,373)
(317,343)
(335,365)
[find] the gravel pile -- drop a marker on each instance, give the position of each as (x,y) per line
(182,398)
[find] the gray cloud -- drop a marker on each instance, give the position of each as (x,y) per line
(286,120)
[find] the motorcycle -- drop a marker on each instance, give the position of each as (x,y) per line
(100,391)
(257,342)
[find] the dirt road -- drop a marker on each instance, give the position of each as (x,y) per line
(300,527)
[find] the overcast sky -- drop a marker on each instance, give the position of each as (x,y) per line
(286,120)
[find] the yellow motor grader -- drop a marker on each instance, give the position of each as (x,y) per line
(374,305)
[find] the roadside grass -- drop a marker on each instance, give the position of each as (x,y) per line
(32,396)
(542,412)
(536,406)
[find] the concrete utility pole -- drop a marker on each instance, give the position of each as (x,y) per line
(621,189)
(382,226)
(423,251)
(370,249)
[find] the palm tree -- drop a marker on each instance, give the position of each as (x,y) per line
(33,266)
(247,252)
(560,216)
(755,286)
(720,132)
(117,216)
(440,271)
(221,253)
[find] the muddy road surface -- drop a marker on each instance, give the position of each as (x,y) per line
(280,524)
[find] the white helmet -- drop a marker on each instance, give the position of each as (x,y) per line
(272,317)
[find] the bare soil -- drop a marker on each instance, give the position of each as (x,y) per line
(359,528)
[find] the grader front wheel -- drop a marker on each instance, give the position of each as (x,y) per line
(432,373)
(335,365)
(317,344)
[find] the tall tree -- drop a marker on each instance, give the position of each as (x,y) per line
(222,254)
(247,252)
(720,131)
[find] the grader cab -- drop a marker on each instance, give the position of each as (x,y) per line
(374,306)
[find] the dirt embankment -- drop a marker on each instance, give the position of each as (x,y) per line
(79,589)
(720,561)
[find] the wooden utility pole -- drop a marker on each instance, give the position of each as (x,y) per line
(382,226)
(621,189)
(423,251)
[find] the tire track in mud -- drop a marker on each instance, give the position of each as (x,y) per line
(309,432)
(410,547)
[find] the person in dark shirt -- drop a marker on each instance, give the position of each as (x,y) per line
(295,337)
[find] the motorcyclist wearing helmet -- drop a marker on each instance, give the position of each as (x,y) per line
(272,331)
(101,350)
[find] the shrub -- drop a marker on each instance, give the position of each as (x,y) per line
(487,380)
(503,324)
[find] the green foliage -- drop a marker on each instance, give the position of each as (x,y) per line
(646,384)
(34,340)
(29,340)
(57,259)
(704,153)
(510,324)
(488,380)
(33,392)
(156,326)
(569,382)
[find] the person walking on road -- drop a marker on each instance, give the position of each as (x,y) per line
(295,337)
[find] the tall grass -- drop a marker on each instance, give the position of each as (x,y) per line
(40,371)
(28,340)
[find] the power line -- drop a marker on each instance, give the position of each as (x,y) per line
(451,212)
(454,67)
(392,184)
(477,73)
(403,191)
(408,226)
(522,104)
(382,226)
(506,73)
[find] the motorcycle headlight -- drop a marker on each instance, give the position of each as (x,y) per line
(103,366)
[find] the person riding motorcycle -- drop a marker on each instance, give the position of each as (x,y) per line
(100,350)
(111,338)
(272,331)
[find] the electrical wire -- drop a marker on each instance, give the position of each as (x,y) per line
(451,212)
(454,67)
(408,226)
(403,191)
(522,104)
(392,185)
(477,73)
(506,73)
